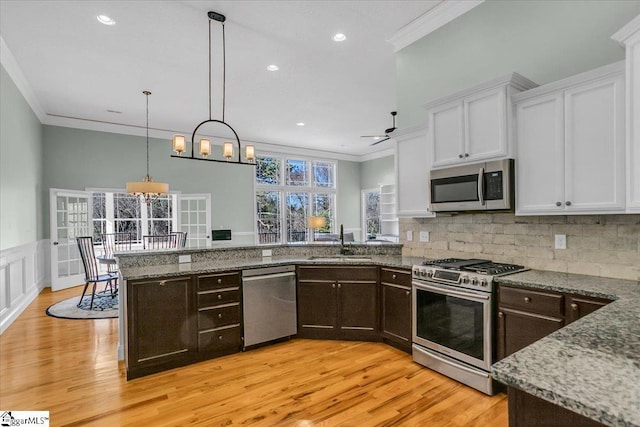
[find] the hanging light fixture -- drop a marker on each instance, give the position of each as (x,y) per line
(147,189)
(179,143)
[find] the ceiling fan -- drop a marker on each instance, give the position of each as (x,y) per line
(382,138)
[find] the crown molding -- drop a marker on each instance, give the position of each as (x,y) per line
(377,155)
(627,31)
(442,14)
(17,75)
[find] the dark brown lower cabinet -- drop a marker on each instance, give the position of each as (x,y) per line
(579,306)
(161,326)
(518,329)
(396,307)
(338,302)
(526,410)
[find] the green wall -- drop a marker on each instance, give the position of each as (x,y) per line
(542,40)
(20,168)
(78,159)
(375,172)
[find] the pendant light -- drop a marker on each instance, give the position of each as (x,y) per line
(147,189)
(179,142)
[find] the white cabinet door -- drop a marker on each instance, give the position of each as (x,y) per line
(540,155)
(485,116)
(412,175)
(594,146)
(633,126)
(446,132)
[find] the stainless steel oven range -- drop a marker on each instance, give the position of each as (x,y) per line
(453,318)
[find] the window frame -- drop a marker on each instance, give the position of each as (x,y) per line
(283,189)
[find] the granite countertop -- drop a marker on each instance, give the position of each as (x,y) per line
(169,270)
(591,366)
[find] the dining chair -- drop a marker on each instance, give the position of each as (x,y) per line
(91,273)
(111,243)
(181,239)
(160,241)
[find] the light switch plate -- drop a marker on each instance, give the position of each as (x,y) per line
(409,236)
(561,241)
(184,258)
(267,252)
(424,236)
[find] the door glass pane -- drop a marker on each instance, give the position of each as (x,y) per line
(268,213)
(297,205)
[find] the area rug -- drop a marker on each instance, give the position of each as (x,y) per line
(105,306)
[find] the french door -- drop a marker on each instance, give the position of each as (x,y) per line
(70,217)
(195,219)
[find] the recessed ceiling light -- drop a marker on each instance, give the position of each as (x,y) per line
(299,124)
(104,19)
(273,67)
(339,37)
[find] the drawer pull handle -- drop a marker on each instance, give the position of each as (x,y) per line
(163,283)
(500,314)
(220,337)
(219,296)
(219,315)
(527,299)
(574,307)
(219,281)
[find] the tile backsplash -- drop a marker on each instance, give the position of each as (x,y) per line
(597,245)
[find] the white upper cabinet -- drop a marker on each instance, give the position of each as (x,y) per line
(570,145)
(413,162)
(629,36)
(474,124)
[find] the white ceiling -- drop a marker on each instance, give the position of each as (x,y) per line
(78,68)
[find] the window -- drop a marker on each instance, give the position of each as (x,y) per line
(126,213)
(288,191)
(371,213)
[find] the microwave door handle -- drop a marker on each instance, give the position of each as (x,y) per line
(481,186)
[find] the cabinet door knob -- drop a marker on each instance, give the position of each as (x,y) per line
(163,283)
(466,154)
(574,307)
(408,293)
(219,281)
(527,299)
(568,203)
(219,315)
(333,286)
(460,156)
(339,285)
(220,337)
(500,314)
(394,276)
(219,296)
(558,204)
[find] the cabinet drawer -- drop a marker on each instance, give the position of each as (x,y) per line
(219,339)
(532,301)
(216,281)
(219,316)
(395,277)
(222,296)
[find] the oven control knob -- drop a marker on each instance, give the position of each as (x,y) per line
(429,273)
(416,272)
(483,282)
(464,279)
(423,273)
(474,281)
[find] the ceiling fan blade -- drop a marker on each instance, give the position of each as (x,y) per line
(373,136)
(379,141)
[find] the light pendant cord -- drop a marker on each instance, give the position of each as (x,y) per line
(224,71)
(147,93)
(210,116)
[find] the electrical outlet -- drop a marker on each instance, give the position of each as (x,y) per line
(409,236)
(266,252)
(424,236)
(561,241)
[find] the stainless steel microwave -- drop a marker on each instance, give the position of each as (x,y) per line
(487,186)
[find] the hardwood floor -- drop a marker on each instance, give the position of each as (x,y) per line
(70,368)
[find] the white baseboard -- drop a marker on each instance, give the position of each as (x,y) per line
(24,273)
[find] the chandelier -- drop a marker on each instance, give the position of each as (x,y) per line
(147,189)
(179,142)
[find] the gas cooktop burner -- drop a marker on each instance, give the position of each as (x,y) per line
(481,266)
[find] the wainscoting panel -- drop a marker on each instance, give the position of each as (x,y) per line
(23,275)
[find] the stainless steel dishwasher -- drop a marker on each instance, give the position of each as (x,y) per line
(269,304)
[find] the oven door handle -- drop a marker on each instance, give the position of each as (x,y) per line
(452,292)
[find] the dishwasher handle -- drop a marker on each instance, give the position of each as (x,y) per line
(268,276)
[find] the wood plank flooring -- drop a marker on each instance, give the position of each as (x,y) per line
(70,368)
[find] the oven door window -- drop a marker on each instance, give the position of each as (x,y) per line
(452,322)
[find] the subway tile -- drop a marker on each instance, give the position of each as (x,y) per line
(583,242)
(553,219)
(539,253)
(463,219)
(629,230)
(503,218)
(473,247)
(621,243)
(473,228)
(538,229)
(584,219)
(493,228)
(578,267)
(515,229)
(620,272)
(524,240)
(455,228)
(493,249)
(568,229)
(482,218)
(599,230)
(456,246)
